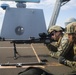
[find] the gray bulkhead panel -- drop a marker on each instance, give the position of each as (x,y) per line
(23,23)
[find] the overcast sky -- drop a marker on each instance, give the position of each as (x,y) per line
(67,11)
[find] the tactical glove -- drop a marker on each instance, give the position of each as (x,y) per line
(62,60)
(74,58)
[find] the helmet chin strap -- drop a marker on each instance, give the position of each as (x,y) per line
(59,35)
(74,38)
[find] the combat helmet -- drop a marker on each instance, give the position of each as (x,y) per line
(56,28)
(71,28)
(70,20)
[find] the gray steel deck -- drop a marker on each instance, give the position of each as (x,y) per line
(28,53)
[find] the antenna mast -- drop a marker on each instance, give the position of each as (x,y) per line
(55,14)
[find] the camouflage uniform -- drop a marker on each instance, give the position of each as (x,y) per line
(60,45)
(68,57)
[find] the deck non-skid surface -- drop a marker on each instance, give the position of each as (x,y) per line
(28,53)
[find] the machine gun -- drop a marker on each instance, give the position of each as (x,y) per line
(44,38)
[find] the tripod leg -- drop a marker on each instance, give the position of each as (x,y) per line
(15,51)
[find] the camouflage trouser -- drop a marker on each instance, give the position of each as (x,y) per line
(72,64)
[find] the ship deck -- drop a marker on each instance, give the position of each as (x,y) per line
(28,53)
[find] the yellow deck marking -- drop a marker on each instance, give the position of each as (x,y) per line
(53,64)
(35,53)
(6,67)
(16,47)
